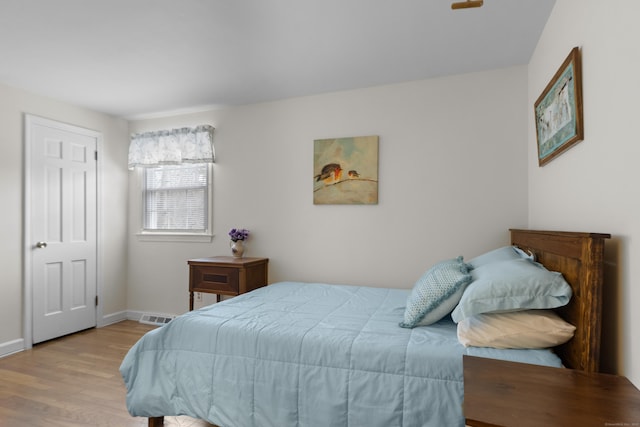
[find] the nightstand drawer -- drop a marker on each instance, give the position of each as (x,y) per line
(222,279)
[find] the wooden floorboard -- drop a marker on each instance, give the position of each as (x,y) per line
(74,381)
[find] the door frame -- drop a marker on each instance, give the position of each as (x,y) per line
(27,286)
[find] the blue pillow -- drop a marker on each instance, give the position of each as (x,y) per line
(436,293)
(504,253)
(512,285)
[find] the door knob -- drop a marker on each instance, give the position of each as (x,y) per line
(41,245)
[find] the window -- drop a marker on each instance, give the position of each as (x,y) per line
(176,199)
(175,180)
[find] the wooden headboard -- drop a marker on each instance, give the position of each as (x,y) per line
(579,257)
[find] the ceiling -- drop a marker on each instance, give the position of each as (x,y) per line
(139,58)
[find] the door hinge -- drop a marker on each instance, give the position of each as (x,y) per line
(96,300)
(96,155)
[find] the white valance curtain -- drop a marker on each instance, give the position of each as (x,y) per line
(175,146)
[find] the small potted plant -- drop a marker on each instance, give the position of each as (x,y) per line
(238,236)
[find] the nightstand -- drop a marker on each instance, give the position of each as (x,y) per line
(225,275)
(506,394)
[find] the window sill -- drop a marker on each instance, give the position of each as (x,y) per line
(174,237)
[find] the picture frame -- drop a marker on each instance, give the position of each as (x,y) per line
(345,171)
(558,110)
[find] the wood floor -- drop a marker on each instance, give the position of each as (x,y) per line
(73,381)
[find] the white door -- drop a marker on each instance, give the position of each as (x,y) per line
(62,227)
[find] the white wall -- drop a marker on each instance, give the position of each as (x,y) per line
(14,104)
(452,174)
(593,186)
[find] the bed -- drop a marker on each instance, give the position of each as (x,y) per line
(310,354)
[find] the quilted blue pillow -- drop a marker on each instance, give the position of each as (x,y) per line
(513,285)
(436,293)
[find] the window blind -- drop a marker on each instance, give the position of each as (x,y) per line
(176,198)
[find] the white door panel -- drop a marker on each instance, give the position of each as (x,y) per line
(63,228)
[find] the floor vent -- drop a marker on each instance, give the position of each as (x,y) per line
(156,319)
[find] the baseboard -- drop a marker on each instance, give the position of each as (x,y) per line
(134,315)
(119,316)
(11,347)
(112,318)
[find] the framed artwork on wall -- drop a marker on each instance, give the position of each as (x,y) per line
(558,110)
(345,171)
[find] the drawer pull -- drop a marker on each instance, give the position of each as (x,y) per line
(216,278)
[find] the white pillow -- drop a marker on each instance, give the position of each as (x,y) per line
(521,329)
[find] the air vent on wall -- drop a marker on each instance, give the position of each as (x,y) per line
(156,319)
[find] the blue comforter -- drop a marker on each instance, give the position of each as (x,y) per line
(305,354)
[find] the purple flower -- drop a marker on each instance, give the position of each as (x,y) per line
(238,234)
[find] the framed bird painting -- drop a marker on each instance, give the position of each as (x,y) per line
(345,171)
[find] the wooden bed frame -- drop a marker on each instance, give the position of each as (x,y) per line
(579,257)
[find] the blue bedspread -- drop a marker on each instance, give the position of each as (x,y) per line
(305,354)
